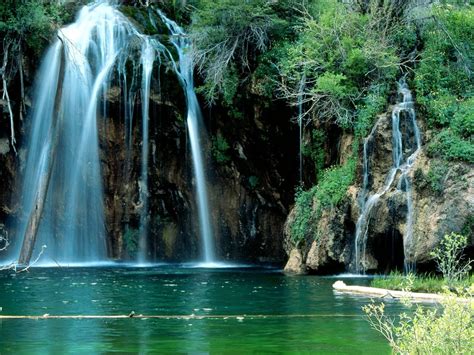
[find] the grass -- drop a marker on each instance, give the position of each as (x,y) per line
(421,283)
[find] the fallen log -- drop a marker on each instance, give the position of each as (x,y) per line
(340,286)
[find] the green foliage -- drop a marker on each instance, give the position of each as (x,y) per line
(437,176)
(303,215)
(32,21)
(334,183)
(228,36)
(443,81)
(420,283)
(448,256)
(449,330)
(131,240)
(373,104)
(449,145)
(314,149)
(220,149)
(345,57)
(328,193)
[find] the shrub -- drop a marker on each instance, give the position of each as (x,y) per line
(314,149)
(449,258)
(443,80)
(437,176)
(303,220)
(448,330)
(449,145)
(344,56)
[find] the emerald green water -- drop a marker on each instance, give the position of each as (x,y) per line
(303,314)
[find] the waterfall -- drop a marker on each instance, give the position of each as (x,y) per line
(147,59)
(399,165)
(183,47)
(300,125)
(63,163)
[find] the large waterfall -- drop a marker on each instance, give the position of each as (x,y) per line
(62,196)
(183,46)
(401,166)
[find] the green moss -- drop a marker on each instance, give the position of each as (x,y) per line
(220,149)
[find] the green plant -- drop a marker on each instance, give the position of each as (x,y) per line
(345,59)
(228,36)
(220,149)
(448,330)
(328,193)
(303,215)
(449,145)
(421,282)
(443,81)
(314,149)
(449,258)
(437,176)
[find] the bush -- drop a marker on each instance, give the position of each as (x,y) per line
(449,145)
(228,35)
(343,56)
(449,258)
(448,330)
(420,283)
(437,176)
(304,218)
(314,149)
(443,81)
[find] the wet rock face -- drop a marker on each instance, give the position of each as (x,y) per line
(247,193)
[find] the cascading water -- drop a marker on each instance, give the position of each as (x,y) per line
(366,201)
(147,59)
(300,124)
(183,46)
(62,173)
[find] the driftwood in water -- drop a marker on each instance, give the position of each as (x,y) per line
(31,232)
(340,286)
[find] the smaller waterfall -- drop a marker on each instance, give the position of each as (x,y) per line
(300,125)
(147,59)
(183,46)
(366,201)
